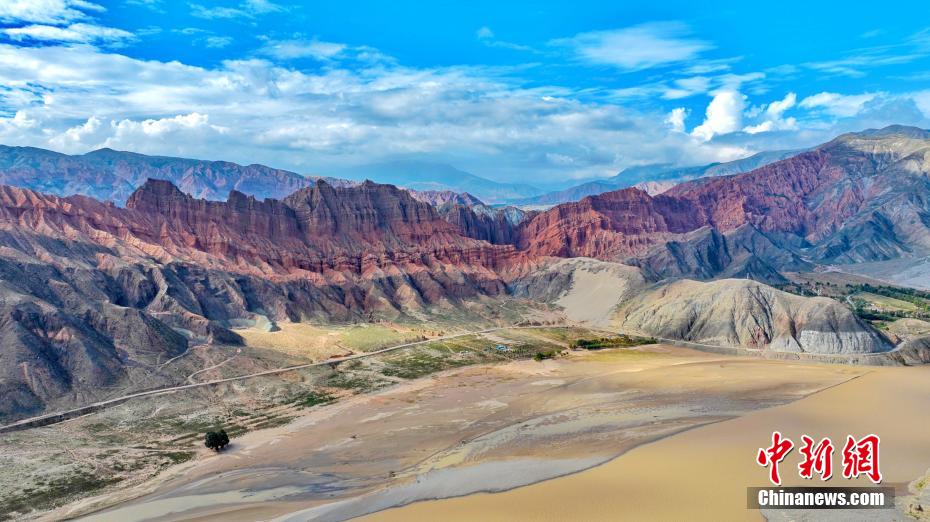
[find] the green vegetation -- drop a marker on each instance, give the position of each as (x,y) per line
(880,304)
(272,422)
(372,337)
(541,356)
(436,356)
(179,457)
(216,440)
(419,364)
(313,398)
(54,493)
(611,342)
(877,304)
(919,299)
(350,381)
(884,302)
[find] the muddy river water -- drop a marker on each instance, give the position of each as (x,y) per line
(477,429)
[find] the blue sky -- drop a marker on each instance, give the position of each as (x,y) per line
(535,92)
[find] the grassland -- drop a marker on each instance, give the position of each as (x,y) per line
(318,343)
(884,303)
(880,304)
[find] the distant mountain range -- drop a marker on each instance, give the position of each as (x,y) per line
(652,178)
(425,176)
(110,175)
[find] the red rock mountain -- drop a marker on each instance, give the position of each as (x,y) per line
(861,197)
(92,296)
(315,230)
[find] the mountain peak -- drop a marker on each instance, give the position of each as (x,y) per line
(905,131)
(154,194)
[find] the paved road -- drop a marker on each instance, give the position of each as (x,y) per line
(54,418)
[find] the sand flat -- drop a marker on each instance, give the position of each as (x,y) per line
(702,474)
(490,427)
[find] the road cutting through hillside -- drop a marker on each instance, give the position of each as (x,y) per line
(55,418)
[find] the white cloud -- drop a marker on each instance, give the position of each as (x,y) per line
(690,86)
(298,48)
(77,137)
(856,64)
(486,36)
(637,47)
(922,100)
(59,21)
(152,128)
(218,42)
(154,5)
(773,116)
(55,12)
(19,123)
(684,87)
(836,104)
(178,134)
(246,9)
(82,98)
(676,119)
(263,6)
(76,33)
(76,98)
(776,109)
(724,115)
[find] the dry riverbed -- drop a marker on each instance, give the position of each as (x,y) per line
(472,429)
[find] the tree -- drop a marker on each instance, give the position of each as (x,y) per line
(216,440)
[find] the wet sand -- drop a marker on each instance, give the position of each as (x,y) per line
(489,428)
(702,474)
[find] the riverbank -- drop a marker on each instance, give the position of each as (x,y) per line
(486,427)
(702,474)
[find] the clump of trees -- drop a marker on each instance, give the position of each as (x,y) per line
(609,342)
(541,356)
(216,440)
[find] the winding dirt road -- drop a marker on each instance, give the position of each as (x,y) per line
(54,418)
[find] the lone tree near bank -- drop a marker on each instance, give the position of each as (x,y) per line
(216,440)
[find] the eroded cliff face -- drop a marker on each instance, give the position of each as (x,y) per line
(323,234)
(628,222)
(738,312)
(861,197)
(438,198)
(498,226)
(91,293)
(725,312)
(65,338)
(621,223)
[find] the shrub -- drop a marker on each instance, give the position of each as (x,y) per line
(216,440)
(540,356)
